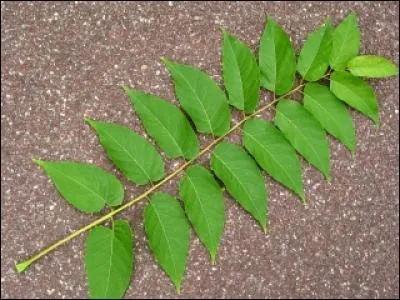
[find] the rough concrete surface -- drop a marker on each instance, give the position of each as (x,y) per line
(63,61)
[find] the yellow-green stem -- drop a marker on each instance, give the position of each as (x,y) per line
(25,264)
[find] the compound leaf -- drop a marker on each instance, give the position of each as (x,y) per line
(86,187)
(201,98)
(277,59)
(241,74)
(305,134)
(166,123)
(130,152)
(204,206)
(274,154)
(108,260)
(372,66)
(168,233)
(314,56)
(242,178)
(356,93)
(345,42)
(331,113)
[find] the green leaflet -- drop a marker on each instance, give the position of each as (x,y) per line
(372,66)
(241,74)
(201,98)
(345,42)
(166,124)
(304,133)
(331,113)
(130,152)
(108,260)
(356,93)
(314,56)
(274,154)
(168,233)
(204,206)
(277,59)
(86,187)
(242,178)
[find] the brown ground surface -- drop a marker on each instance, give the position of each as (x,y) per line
(63,61)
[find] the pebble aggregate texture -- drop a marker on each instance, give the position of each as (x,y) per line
(63,61)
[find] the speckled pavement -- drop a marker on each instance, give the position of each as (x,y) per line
(63,61)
